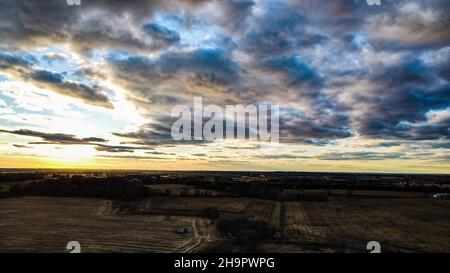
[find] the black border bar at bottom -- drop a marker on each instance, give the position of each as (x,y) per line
(309,263)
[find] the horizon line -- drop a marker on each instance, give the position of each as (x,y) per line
(225,171)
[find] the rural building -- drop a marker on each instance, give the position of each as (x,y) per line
(181,230)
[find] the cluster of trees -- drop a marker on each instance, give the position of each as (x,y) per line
(94,188)
(186,192)
(20,176)
(272,187)
(210,213)
(264,190)
(248,233)
(304,195)
(3,193)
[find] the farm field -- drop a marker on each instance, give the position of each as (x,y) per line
(185,190)
(227,205)
(259,209)
(401,224)
(5,186)
(347,224)
(47,224)
(379,194)
(342,224)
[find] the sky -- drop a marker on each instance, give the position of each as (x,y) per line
(360,88)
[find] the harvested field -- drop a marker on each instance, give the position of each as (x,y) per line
(408,225)
(194,204)
(342,224)
(303,247)
(297,221)
(380,194)
(266,210)
(47,224)
(184,190)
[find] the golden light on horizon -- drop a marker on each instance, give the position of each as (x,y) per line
(67,156)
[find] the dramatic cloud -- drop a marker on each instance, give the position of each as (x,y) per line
(161,35)
(345,74)
(24,69)
(55,137)
(158,133)
(360,156)
(57,82)
(21,146)
(413,23)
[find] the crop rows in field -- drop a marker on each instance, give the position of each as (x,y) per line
(297,221)
(228,205)
(44,224)
(399,224)
(267,211)
(184,190)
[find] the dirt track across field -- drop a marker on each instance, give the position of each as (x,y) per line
(47,224)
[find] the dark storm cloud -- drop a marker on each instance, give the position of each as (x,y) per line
(295,72)
(215,64)
(275,32)
(114,149)
(439,61)
(304,54)
(142,8)
(318,142)
(24,69)
(445,145)
(279,34)
(413,24)
(293,129)
(176,76)
(26,23)
(212,64)
(55,137)
(158,133)
(13,60)
(236,12)
(199,155)
(161,35)
(385,129)
(408,72)
(240,147)
(390,144)
(22,146)
(133,157)
(164,99)
(360,156)
(296,127)
(51,58)
(94,139)
(282,156)
(398,108)
(69,139)
(57,82)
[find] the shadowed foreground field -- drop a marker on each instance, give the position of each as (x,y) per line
(47,224)
(119,211)
(402,224)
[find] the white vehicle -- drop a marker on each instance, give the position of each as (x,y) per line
(441,196)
